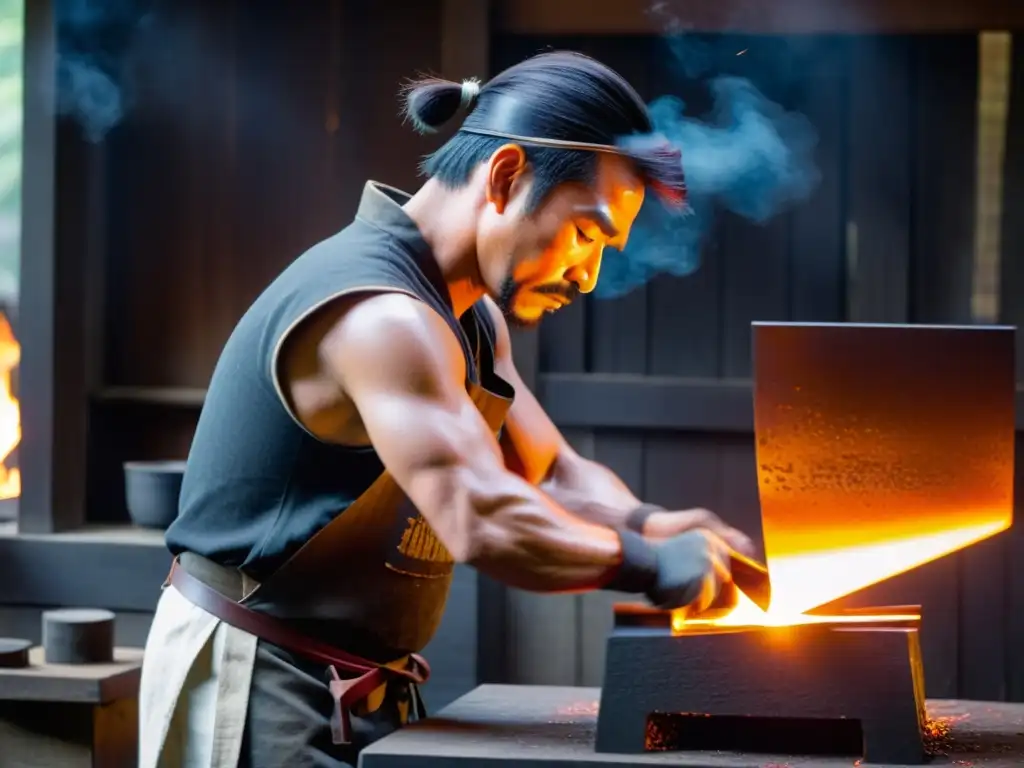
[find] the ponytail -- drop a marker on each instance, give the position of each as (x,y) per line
(432,102)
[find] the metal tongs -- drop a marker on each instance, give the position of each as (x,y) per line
(748,576)
(751,578)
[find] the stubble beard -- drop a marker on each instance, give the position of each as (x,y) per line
(506,303)
(507,300)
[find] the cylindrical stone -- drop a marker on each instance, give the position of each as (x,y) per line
(78,636)
(14,652)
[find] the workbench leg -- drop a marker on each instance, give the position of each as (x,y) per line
(44,734)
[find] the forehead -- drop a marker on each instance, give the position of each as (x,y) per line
(617,183)
(614,197)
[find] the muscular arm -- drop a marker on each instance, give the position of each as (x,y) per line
(534,446)
(411,397)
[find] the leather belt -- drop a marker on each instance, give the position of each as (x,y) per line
(366,676)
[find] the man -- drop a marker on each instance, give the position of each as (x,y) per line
(365,429)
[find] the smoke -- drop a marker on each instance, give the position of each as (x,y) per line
(96,40)
(748,155)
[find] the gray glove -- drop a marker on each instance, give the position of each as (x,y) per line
(685,571)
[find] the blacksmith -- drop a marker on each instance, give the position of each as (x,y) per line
(365,429)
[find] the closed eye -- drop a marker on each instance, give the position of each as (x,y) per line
(582,236)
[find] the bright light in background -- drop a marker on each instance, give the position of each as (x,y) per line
(995,51)
(12,34)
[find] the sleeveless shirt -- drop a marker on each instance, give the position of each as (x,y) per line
(257,484)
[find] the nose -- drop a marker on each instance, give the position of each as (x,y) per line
(585,273)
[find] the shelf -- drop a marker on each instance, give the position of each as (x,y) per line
(120,568)
(93,534)
(182,397)
(651,402)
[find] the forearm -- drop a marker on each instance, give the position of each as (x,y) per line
(590,491)
(513,532)
(525,540)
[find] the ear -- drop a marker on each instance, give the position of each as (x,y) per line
(507,164)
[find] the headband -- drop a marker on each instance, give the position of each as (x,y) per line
(542,142)
(507,117)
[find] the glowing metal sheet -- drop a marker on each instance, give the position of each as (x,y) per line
(879,448)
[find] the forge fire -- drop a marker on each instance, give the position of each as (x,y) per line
(10,413)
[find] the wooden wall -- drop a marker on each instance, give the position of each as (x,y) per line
(254,132)
(250,141)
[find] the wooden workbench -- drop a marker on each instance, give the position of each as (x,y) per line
(81,716)
(548,727)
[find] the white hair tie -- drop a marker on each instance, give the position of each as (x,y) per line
(470,90)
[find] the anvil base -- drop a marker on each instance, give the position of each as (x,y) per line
(665,691)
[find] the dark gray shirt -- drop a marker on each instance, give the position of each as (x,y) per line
(258,485)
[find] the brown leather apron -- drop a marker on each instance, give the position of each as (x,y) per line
(378,565)
(377,569)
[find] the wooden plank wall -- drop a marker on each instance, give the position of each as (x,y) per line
(262,124)
(887,237)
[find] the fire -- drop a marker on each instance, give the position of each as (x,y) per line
(10,413)
(869,469)
(802,581)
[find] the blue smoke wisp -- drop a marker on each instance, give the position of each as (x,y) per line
(95,38)
(751,157)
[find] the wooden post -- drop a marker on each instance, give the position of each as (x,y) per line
(52,385)
(635,17)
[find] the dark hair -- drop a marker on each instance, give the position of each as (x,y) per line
(562,95)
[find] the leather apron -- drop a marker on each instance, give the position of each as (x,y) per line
(378,566)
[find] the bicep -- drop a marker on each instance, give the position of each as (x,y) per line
(411,398)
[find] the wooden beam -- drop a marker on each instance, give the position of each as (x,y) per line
(63,212)
(647,402)
(642,17)
(657,403)
(576,400)
(51,455)
(38,249)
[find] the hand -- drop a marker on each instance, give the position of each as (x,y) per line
(665,525)
(692,569)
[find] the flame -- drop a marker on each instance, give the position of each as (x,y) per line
(10,412)
(868,468)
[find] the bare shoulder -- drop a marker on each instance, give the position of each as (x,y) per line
(390,338)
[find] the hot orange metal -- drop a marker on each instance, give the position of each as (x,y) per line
(879,448)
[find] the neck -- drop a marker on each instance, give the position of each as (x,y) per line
(444,218)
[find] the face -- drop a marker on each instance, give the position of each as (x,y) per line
(536,262)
